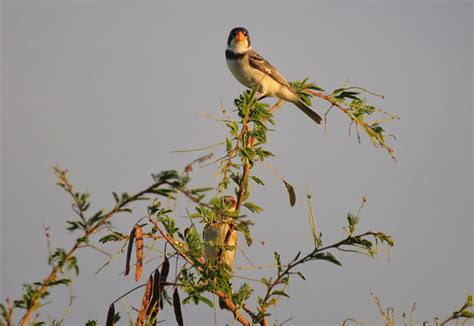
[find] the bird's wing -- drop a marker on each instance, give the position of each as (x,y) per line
(256,61)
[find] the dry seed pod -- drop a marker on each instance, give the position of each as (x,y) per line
(291,193)
(165,268)
(110,316)
(129,251)
(146,299)
(177,308)
(154,305)
(139,245)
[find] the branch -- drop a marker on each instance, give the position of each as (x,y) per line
(283,274)
(375,138)
(462,312)
(63,181)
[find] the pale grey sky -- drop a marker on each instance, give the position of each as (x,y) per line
(108,90)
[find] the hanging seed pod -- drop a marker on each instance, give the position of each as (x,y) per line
(154,306)
(177,308)
(165,269)
(146,299)
(129,251)
(291,193)
(110,316)
(139,245)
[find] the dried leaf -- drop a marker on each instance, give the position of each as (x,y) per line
(177,308)
(146,299)
(139,247)
(110,316)
(291,193)
(129,251)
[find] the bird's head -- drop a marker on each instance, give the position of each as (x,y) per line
(239,40)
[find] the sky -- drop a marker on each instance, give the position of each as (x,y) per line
(109,89)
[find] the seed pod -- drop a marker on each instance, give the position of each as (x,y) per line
(129,251)
(154,306)
(291,193)
(110,316)
(146,299)
(139,245)
(165,268)
(177,308)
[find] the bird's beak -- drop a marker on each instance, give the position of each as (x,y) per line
(240,36)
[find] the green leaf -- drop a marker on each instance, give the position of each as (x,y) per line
(243,294)
(91,323)
(301,275)
(254,208)
(466,314)
(63,281)
(326,256)
(228,145)
(114,236)
(258,180)
(193,240)
(74,225)
(97,217)
(206,301)
(280,293)
(243,227)
(278,261)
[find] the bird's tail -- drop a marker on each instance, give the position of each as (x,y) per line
(308,111)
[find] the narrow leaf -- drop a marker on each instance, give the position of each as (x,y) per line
(301,275)
(280,293)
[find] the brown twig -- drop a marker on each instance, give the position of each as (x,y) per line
(64,182)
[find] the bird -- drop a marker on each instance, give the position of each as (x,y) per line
(253,70)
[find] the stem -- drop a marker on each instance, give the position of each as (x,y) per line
(347,241)
(368,130)
(455,315)
(56,269)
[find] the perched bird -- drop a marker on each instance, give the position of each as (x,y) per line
(251,69)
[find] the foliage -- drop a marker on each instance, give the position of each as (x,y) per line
(203,267)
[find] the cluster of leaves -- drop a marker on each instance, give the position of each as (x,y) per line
(246,142)
(352,101)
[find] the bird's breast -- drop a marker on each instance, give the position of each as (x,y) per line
(237,68)
(251,77)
